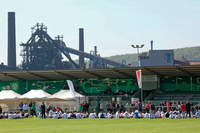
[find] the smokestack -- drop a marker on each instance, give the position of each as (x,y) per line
(81,47)
(11,40)
(95,50)
(151,44)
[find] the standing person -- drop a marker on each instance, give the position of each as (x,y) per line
(188,108)
(101,106)
(33,109)
(21,106)
(87,107)
(84,107)
(80,108)
(30,108)
(152,110)
(25,108)
(108,107)
(140,107)
(43,110)
(0,110)
(113,107)
(147,107)
(183,110)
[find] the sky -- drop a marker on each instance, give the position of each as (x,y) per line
(112,25)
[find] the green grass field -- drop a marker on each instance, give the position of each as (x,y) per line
(35,125)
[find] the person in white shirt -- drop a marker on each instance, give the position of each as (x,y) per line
(197,114)
(109,115)
(126,114)
(25,107)
(92,115)
(78,115)
(158,114)
(132,115)
(171,114)
(163,114)
(101,106)
(55,115)
(146,115)
(69,115)
(14,115)
(65,115)
(10,116)
(26,115)
(83,115)
(51,113)
(117,114)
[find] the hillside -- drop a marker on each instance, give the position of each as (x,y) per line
(190,53)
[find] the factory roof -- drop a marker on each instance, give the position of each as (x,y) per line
(128,72)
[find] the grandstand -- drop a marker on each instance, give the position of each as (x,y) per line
(173,82)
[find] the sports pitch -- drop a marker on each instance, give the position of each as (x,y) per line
(35,125)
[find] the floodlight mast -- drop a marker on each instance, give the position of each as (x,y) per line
(138,47)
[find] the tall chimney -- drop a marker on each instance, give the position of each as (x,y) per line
(81,47)
(95,50)
(11,40)
(151,44)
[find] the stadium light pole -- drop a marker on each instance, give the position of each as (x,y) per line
(138,47)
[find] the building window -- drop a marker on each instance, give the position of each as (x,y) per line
(169,58)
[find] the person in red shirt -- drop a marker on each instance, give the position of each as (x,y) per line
(183,108)
(147,107)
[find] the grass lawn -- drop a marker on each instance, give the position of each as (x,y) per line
(35,125)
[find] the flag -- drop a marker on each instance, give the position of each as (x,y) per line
(168,105)
(71,87)
(139,78)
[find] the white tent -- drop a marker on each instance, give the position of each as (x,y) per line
(66,95)
(35,94)
(8,94)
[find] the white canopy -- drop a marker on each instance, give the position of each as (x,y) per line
(36,94)
(8,94)
(66,95)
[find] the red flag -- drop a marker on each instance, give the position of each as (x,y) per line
(168,104)
(139,78)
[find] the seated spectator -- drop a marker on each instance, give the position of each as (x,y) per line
(146,115)
(109,115)
(51,113)
(93,115)
(101,115)
(136,114)
(158,114)
(126,114)
(162,114)
(121,115)
(65,115)
(117,114)
(78,115)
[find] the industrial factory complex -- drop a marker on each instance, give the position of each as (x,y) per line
(41,52)
(42,67)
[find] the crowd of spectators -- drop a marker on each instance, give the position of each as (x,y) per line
(173,110)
